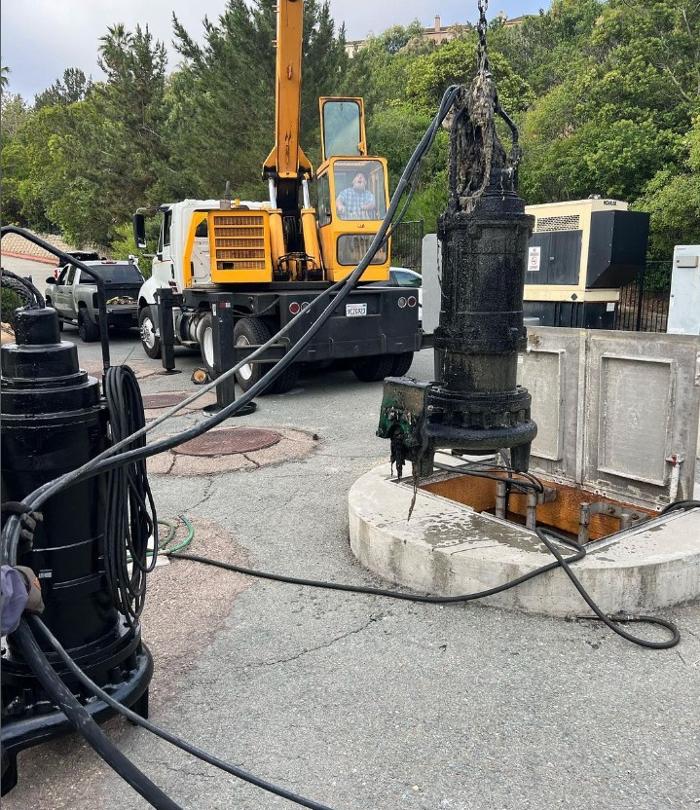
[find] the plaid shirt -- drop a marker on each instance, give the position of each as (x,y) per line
(353,202)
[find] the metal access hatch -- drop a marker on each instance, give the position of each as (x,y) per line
(617,412)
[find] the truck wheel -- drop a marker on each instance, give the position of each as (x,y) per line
(88,330)
(149,337)
(253,332)
(374,368)
(402,363)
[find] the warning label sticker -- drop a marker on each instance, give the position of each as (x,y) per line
(533,259)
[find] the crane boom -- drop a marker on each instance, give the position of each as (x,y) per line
(287,160)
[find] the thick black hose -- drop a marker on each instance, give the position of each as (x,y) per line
(84,724)
(613,621)
(683,505)
(173,739)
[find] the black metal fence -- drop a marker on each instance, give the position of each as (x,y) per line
(643,305)
(407,244)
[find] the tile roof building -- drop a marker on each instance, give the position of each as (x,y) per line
(17,247)
(438,34)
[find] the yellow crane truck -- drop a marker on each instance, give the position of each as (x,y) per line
(275,257)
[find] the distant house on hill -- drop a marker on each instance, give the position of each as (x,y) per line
(438,34)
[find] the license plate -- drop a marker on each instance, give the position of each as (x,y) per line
(356,310)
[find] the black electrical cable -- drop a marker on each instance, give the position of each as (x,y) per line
(683,505)
(613,621)
(130,514)
(168,736)
(610,621)
(580,553)
(10,533)
(489,465)
(491,475)
(83,723)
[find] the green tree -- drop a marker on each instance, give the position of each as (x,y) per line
(547,48)
(455,63)
(74,86)
(673,200)
(647,55)
(132,103)
(619,115)
(378,71)
(13,114)
(82,167)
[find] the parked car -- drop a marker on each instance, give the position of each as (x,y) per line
(75,298)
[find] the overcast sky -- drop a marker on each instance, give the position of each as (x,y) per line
(40,38)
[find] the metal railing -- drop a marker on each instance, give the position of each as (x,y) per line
(407,245)
(643,305)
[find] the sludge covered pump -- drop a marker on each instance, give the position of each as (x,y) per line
(475,405)
(54,420)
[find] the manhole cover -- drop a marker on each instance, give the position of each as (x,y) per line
(164,400)
(229,441)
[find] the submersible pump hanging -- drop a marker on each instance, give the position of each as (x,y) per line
(475,405)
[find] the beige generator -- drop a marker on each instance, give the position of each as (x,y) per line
(579,256)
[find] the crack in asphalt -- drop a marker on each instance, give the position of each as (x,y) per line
(173,458)
(252,460)
(307,650)
(208,492)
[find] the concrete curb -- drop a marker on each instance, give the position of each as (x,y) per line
(448,549)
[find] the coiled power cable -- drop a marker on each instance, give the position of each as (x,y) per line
(23,288)
(130,516)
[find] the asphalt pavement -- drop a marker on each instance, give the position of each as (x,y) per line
(359,702)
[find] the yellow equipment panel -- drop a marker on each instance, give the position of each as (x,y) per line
(240,246)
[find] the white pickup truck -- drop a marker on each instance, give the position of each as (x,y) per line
(75,298)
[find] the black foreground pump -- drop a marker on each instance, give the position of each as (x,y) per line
(53,421)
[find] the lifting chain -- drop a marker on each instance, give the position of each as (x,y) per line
(481,28)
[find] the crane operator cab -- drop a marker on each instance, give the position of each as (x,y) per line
(352,192)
